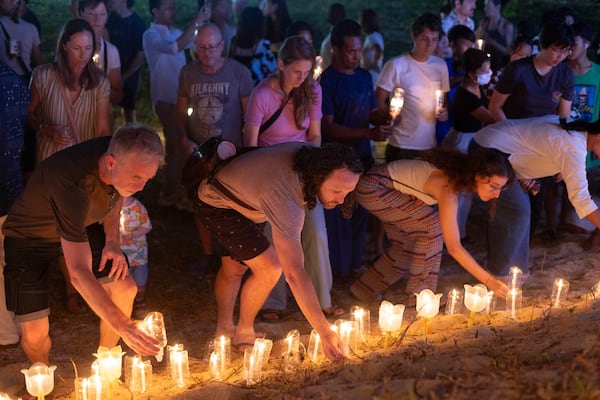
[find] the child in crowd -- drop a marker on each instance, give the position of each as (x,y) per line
(134,225)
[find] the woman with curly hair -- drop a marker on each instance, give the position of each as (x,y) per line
(402,194)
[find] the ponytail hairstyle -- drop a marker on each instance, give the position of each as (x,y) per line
(296,48)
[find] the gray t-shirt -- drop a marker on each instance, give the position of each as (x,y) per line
(264,180)
(215,100)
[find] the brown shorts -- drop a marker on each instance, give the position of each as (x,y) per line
(240,238)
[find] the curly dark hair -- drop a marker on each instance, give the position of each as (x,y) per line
(462,168)
(315,164)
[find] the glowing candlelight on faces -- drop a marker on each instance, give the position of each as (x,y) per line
(154,325)
(396,104)
(514,301)
(454,303)
(363,318)
(109,362)
(516,277)
(39,379)
(480,44)
(314,346)
(560,288)
(180,369)
(476,299)
(318,69)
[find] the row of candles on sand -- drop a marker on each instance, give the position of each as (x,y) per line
(352,333)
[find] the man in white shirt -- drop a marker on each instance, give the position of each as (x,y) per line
(164,49)
(424,79)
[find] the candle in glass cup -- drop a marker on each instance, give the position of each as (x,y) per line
(250,372)
(215,366)
(314,346)
(180,369)
(515,276)
(39,379)
(439,100)
(454,302)
(222,346)
(490,305)
(396,103)
(363,318)
(262,352)
(514,300)
(154,324)
(109,362)
(318,69)
(138,374)
(348,334)
(480,44)
(560,288)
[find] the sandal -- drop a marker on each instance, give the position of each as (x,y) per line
(270,315)
(75,304)
(334,311)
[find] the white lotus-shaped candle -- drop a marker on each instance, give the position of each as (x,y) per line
(390,316)
(476,299)
(39,379)
(428,303)
(390,319)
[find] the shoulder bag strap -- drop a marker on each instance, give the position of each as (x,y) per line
(275,115)
(26,70)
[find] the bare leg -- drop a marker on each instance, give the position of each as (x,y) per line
(227,287)
(266,270)
(122,293)
(35,340)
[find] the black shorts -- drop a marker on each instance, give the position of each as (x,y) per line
(240,238)
(26,272)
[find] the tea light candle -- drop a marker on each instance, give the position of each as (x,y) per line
(314,346)
(560,288)
(109,362)
(180,369)
(454,304)
(514,301)
(363,319)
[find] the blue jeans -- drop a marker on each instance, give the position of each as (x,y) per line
(508,231)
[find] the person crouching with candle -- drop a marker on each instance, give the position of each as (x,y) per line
(402,193)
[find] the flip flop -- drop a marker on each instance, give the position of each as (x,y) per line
(334,311)
(242,346)
(271,315)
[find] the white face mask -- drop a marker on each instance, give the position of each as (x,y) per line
(484,79)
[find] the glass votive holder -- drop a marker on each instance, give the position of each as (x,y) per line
(180,369)
(314,346)
(454,302)
(222,346)
(514,278)
(138,374)
(348,334)
(251,372)
(514,300)
(490,305)
(560,288)
(363,317)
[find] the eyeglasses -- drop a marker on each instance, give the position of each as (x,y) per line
(496,189)
(563,51)
(209,47)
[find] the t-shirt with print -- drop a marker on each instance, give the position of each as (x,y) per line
(63,195)
(134,216)
(531,94)
(264,102)
(349,98)
(215,100)
(264,180)
(420,81)
(586,103)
